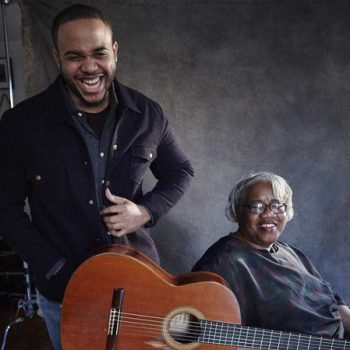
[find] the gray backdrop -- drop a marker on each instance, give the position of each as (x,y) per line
(247,86)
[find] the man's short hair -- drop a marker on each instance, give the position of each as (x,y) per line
(75,12)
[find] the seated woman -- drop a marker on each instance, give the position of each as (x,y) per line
(276,285)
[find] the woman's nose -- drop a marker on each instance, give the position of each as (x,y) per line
(267,211)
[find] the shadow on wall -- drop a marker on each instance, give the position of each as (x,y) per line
(175,245)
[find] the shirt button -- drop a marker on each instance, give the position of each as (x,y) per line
(80,114)
(114,147)
(102,154)
(151,155)
(37,177)
(91,202)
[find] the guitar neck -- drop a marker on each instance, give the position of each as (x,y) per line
(227,334)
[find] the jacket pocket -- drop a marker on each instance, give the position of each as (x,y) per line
(48,182)
(141,158)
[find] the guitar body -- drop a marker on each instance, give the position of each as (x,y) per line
(151,299)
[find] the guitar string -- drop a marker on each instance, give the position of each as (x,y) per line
(153,324)
(273,343)
(241,342)
(216,339)
(302,339)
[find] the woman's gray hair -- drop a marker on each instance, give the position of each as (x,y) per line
(280,189)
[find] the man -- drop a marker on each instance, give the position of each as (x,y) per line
(78,151)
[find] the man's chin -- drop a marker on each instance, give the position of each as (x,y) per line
(86,103)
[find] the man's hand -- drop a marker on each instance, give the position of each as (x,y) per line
(123,216)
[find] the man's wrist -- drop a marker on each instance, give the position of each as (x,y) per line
(146,216)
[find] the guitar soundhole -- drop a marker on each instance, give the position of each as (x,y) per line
(184,328)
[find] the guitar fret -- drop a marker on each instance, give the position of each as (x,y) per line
(270,340)
(279,340)
(298,343)
(239,335)
(246,337)
(202,338)
(215,328)
(308,345)
(224,332)
(253,341)
(262,339)
(226,335)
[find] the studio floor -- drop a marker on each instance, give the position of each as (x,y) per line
(30,333)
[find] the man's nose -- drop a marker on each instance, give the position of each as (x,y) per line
(89,64)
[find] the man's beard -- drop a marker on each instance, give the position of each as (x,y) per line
(73,90)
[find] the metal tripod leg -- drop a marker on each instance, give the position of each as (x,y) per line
(27,305)
(17,320)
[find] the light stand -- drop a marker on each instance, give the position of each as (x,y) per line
(4,3)
(28,303)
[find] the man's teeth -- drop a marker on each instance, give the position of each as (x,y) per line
(268,225)
(91,81)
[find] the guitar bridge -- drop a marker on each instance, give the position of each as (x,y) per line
(114,318)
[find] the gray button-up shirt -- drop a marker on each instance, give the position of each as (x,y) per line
(99,147)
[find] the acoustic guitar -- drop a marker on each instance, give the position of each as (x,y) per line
(119,299)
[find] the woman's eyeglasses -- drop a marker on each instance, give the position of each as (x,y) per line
(259,208)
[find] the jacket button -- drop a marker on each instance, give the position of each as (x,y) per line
(37,177)
(102,154)
(114,147)
(151,155)
(108,183)
(91,202)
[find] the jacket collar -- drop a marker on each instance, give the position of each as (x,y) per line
(126,96)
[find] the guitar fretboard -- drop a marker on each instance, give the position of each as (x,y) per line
(227,334)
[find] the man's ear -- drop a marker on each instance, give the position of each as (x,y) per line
(56,58)
(115,50)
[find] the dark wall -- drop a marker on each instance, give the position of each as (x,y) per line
(248,86)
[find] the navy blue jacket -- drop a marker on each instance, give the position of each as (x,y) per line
(44,158)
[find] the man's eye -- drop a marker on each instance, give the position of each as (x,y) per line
(74,58)
(100,55)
